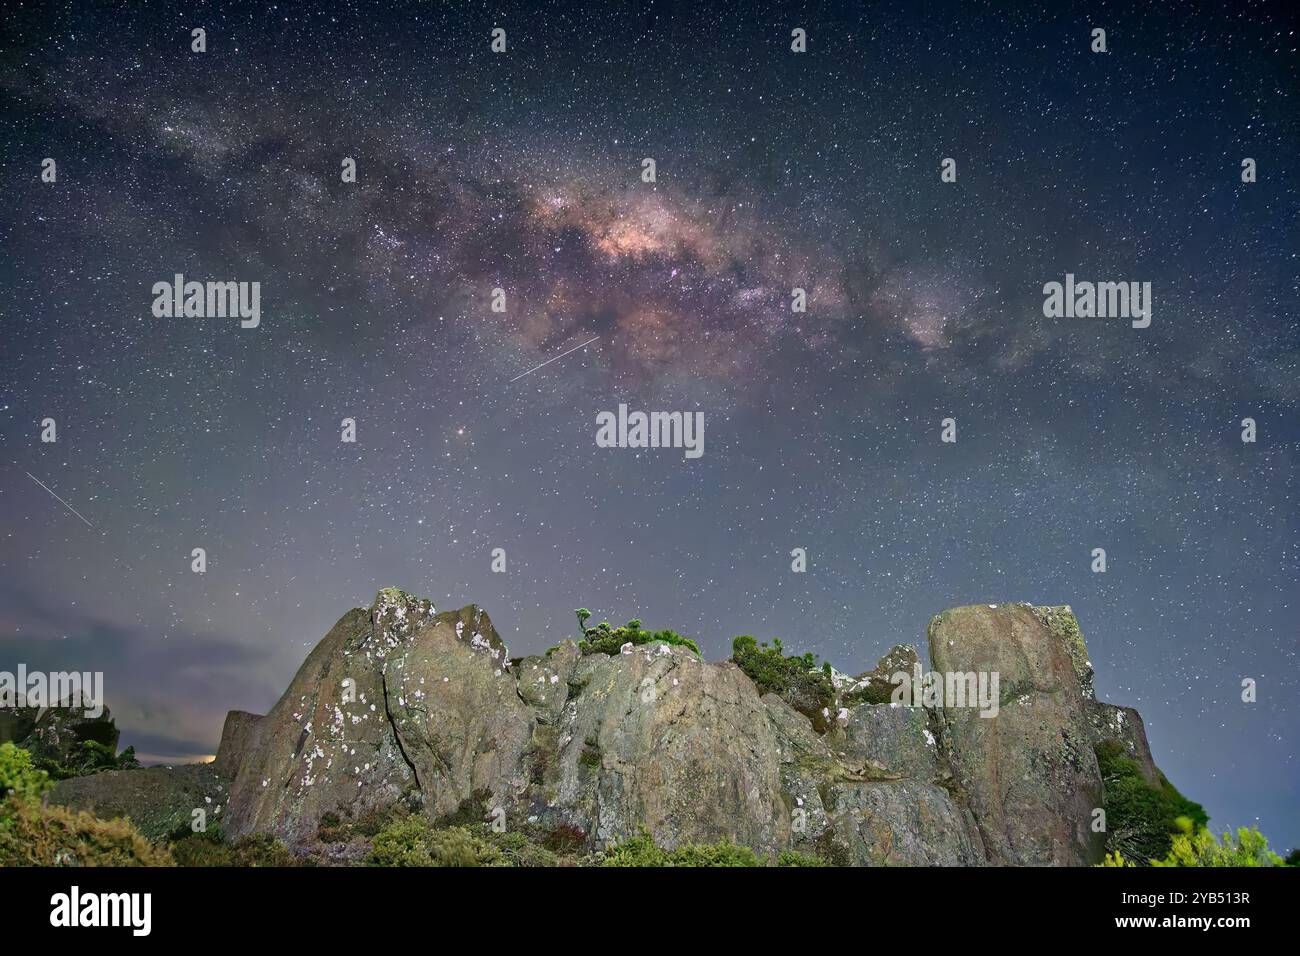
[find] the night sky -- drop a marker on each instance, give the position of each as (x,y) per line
(775,170)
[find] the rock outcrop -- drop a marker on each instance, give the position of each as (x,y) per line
(401,704)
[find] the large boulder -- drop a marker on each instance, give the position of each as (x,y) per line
(1029,772)
(397,703)
(656,737)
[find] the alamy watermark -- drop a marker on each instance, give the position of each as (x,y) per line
(74,908)
(651,430)
(951,689)
(77,689)
(1098,300)
(208,300)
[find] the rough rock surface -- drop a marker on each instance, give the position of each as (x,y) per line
(401,703)
(1030,772)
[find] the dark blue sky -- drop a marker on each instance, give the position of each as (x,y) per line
(775,170)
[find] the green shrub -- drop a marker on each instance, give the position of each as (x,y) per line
(36,835)
(1197,846)
(401,843)
(196,852)
(602,639)
(200,849)
(416,842)
(795,858)
(640,850)
(210,848)
(516,848)
(262,849)
(714,854)
(1141,818)
(797,680)
(19,776)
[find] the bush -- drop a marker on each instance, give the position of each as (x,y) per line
(34,835)
(199,849)
(795,858)
(1141,818)
(19,776)
(714,854)
(796,680)
(516,848)
(641,850)
(210,848)
(416,842)
(1193,846)
(602,639)
(261,849)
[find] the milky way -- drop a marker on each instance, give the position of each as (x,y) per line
(774,171)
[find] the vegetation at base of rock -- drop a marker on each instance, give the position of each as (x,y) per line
(795,858)
(1141,819)
(414,841)
(36,835)
(1196,846)
(210,848)
(796,680)
(714,854)
(641,850)
(19,775)
(565,839)
(602,639)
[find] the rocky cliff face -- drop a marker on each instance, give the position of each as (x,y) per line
(400,703)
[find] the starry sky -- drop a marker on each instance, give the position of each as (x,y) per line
(774,170)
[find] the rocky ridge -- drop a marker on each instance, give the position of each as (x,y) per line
(400,704)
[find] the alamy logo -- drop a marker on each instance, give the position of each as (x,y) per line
(953,689)
(103,909)
(1098,300)
(53,689)
(208,300)
(651,430)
